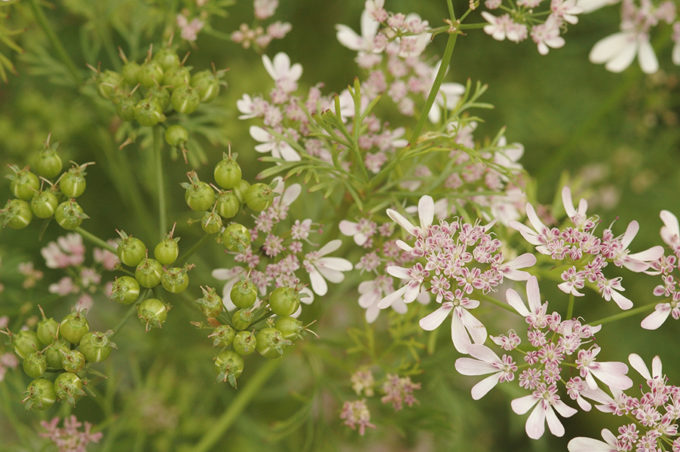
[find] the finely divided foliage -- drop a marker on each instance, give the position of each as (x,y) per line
(422,219)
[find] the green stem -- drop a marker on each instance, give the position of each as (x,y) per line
(94,239)
(624,314)
(498,303)
(158,151)
(241,401)
(570,307)
(183,258)
(129,313)
(54,39)
(446,59)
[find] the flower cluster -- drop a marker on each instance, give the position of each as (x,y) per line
(70,438)
(259,37)
(584,253)
(356,414)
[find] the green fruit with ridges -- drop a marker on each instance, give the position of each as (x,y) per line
(284,301)
(207,85)
(48,164)
(166,251)
(227,173)
(176,135)
(199,196)
(167,58)
(68,387)
(131,251)
(73,184)
(150,74)
(24,184)
(69,215)
(175,280)
(44,204)
(149,273)
(270,343)
(242,319)
(148,113)
(130,73)
(229,366)
(210,304)
(73,361)
(35,365)
(125,290)
(40,394)
(236,238)
(290,328)
(222,336)
(211,223)
(54,353)
(243,294)
(185,99)
(16,214)
(73,327)
(227,205)
(47,331)
(25,342)
(152,312)
(96,346)
(241,189)
(245,343)
(259,197)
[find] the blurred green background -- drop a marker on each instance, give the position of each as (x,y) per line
(615,135)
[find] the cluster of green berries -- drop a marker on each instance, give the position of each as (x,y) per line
(32,199)
(56,355)
(224,201)
(150,92)
(148,274)
(265,328)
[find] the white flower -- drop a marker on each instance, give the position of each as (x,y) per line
(611,373)
(364,43)
(485,362)
(511,269)
(636,361)
(582,444)
(285,75)
(640,261)
(545,402)
(269,143)
(425,215)
(504,27)
(618,51)
(447,99)
(535,315)
(371,294)
(330,268)
(659,316)
(670,231)
(547,35)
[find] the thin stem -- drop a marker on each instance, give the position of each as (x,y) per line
(129,313)
(158,151)
(624,314)
(446,59)
(570,307)
(54,39)
(183,258)
(498,303)
(94,239)
(241,401)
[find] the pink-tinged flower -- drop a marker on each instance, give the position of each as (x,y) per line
(670,231)
(565,10)
(4,321)
(399,391)
(413,277)
(69,438)
(511,269)
(675,55)
(363,381)
(425,215)
(250,107)
(281,71)
(265,9)
(7,361)
(544,401)
(547,35)
(374,291)
(485,362)
(609,289)
(578,217)
(84,303)
(279,148)
(637,262)
(535,315)
(189,29)
(638,364)
(588,6)
(108,259)
(539,236)
(611,373)
(67,251)
(504,27)
(583,444)
(660,314)
(63,287)
(356,414)
(463,324)
(321,268)
(364,43)
(361,231)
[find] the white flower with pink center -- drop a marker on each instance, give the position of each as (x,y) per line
(414,278)
(611,373)
(535,315)
(547,35)
(278,147)
(544,401)
(365,43)
(484,362)
(371,292)
(425,215)
(660,314)
(67,251)
(670,231)
(281,71)
(360,231)
(540,235)
(322,268)
(637,262)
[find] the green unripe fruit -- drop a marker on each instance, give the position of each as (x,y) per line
(44,204)
(229,366)
(210,304)
(69,387)
(241,189)
(227,205)
(47,331)
(148,113)
(177,77)
(16,214)
(185,99)
(126,108)
(69,215)
(35,365)
(125,290)
(24,184)
(227,173)
(242,319)
(40,394)
(199,195)
(259,197)
(270,343)
(108,84)
(284,301)
(72,184)
(55,353)
(223,336)
(160,96)
(73,361)
(243,294)
(167,59)
(245,343)
(25,342)
(131,251)
(176,135)
(48,163)
(150,74)
(73,327)
(175,280)
(152,312)
(290,328)
(166,251)
(236,237)
(130,73)
(211,223)
(96,346)
(148,273)
(207,85)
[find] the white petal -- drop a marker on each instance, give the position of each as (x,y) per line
(516,302)
(639,365)
(398,272)
(387,301)
(348,227)
(470,366)
(348,37)
(656,318)
(291,194)
(646,57)
(568,203)
(403,222)
(330,247)
(535,426)
(331,275)
(533,294)
(268,66)
(369,26)
(288,153)
(435,318)
(605,49)
(336,263)
(631,231)
(656,367)
(426,211)
(533,218)
(582,444)
(622,302)
(554,424)
(483,387)
(318,283)
(474,327)
(484,353)
(621,61)
(259,134)
(528,234)
(523,404)
(459,337)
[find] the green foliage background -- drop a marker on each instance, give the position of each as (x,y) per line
(161,394)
